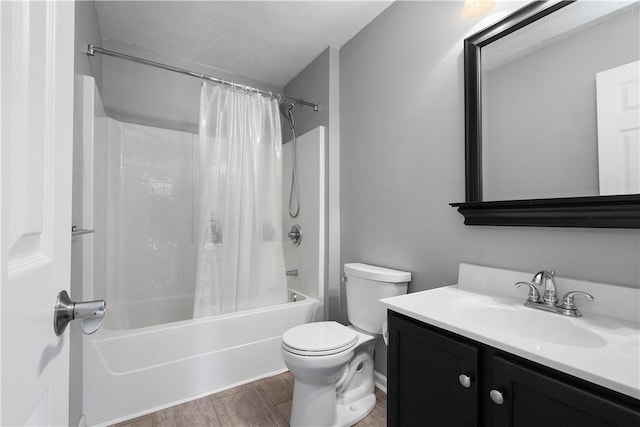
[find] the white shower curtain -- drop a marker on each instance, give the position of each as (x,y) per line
(240,257)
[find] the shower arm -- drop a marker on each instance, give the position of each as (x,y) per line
(302,102)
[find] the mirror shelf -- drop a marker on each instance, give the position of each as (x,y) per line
(610,211)
(590,212)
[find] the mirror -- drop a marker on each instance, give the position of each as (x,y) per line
(552,100)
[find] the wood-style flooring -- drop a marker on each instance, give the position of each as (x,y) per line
(266,402)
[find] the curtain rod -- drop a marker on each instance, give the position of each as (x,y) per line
(92,50)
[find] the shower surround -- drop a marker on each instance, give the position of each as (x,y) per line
(140,195)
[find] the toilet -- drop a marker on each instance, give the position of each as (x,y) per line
(332,364)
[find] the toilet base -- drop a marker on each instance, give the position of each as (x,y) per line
(333,390)
(350,414)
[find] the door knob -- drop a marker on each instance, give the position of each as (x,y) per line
(497,397)
(90,313)
(465,380)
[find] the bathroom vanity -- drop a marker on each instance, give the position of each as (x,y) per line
(472,354)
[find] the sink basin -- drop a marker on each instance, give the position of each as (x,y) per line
(535,325)
(602,347)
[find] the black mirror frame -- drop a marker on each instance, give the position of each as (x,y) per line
(619,211)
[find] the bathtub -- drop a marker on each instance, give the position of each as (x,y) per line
(132,368)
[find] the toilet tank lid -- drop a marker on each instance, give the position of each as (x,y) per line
(372,272)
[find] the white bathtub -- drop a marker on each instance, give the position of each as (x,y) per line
(130,372)
(140,314)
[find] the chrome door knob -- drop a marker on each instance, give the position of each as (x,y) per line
(465,380)
(497,397)
(91,314)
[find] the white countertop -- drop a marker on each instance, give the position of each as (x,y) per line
(600,349)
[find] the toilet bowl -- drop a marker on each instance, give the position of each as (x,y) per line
(325,393)
(332,364)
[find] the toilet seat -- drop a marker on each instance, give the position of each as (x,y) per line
(319,339)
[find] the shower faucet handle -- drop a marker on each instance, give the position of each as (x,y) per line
(295,235)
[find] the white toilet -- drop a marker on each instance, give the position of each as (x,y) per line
(333,364)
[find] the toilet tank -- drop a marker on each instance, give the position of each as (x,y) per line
(365,286)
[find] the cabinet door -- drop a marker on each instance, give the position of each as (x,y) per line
(423,383)
(535,399)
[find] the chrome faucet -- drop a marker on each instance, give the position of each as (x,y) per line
(545,279)
(549,300)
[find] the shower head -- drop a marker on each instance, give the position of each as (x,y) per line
(287,111)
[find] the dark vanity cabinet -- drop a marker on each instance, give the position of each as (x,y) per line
(437,378)
(423,371)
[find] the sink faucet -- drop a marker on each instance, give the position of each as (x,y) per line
(545,279)
(549,299)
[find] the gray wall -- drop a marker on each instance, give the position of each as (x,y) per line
(552,116)
(86,32)
(137,93)
(312,85)
(318,83)
(402,157)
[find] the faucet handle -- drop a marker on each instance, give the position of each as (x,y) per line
(568,305)
(534,295)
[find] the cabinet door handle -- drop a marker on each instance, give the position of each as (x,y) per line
(465,380)
(497,397)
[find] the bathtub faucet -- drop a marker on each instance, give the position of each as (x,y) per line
(293,272)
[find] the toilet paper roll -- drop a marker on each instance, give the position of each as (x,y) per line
(385,332)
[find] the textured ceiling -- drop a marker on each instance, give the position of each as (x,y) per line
(270,41)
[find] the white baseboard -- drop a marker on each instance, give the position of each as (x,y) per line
(380,381)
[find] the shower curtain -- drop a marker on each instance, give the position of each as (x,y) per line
(240,257)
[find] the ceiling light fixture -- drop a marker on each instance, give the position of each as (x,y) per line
(476,8)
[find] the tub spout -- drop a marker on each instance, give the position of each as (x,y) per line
(293,273)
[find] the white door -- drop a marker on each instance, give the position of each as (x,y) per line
(618,91)
(36,132)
